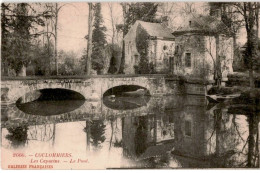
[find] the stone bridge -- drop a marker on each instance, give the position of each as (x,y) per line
(93,88)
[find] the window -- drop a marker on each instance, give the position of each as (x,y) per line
(188,59)
(187,128)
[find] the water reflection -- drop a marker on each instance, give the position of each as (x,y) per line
(17,136)
(167,132)
(125,102)
(96,130)
(50,102)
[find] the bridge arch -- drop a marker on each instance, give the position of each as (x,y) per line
(47,102)
(50,94)
(120,89)
(17,90)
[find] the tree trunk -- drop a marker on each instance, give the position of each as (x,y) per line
(88,135)
(47,68)
(218,63)
(22,71)
(122,64)
(251,51)
(253,154)
(257,19)
(252,38)
(251,78)
(89,47)
(56,38)
(3,44)
(112,22)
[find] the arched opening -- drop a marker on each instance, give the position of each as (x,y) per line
(124,90)
(126,97)
(48,102)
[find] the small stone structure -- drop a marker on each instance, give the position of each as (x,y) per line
(160,46)
(202,47)
(202,44)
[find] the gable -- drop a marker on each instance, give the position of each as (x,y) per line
(152,29)
(156,30)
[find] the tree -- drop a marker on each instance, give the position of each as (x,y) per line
(19,25)
(41,59)
(144,11)
(97,131)
(21,43)
(5,32)
(249,13)
(98,40)
(114,55)
(17,136)
(54,10)
(89,37)
(230,18)
(70,65)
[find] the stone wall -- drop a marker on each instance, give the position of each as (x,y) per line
(91,89)
(94,88)
(203,51)
(131,53)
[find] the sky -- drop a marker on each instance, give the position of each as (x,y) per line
(73,24)
(73,27)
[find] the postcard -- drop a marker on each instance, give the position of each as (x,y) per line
(130,85)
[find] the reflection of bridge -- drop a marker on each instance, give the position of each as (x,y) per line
(12,116)
(200,138)
(93,88)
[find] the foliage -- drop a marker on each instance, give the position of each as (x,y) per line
(248,16)
(114,54)
(238,64)
(143,67)
(17,136)
(255,60)
(144,11)
(18,21)
(20,44)
(98,40)
(227,15)
(42,58)
(140,138)
(71,65)
(97,131)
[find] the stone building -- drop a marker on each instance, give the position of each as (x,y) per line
(159,49)
(203,44)
(196,49)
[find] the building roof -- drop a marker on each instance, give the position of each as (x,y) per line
(203,24)
(156,29)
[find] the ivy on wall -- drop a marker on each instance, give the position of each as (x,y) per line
(143,66)
(189,42)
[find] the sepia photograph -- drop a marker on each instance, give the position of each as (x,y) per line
(130,85)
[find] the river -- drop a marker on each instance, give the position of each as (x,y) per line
(131,132)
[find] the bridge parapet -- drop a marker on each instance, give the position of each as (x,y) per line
(90,88)
(93,88)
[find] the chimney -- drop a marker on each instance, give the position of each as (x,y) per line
(190,23)
(165,21)
(216,13)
